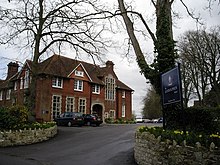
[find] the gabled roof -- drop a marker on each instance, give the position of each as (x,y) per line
(121,85)
(61,66)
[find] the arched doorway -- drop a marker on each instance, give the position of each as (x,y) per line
(97,109)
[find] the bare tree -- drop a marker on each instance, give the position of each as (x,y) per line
(164,45)
(46,25)
(199,50)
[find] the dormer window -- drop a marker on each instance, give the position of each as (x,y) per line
(57,82)
(79,73)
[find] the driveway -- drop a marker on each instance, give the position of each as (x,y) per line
(104,145)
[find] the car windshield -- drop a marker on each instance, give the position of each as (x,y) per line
(77,114)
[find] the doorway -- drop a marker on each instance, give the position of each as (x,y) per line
(97,109)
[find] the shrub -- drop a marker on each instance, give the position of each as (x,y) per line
(13,117)
(109,120)
(191,138)
(197,119)
(203,119)
(37,125)
(119,121)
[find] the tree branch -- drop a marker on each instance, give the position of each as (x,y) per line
(130,30)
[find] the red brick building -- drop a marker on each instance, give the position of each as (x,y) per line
(64,84)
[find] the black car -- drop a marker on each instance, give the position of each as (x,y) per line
(91,119)
(70,119)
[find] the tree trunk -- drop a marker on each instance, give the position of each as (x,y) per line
(34,67)
(164,44)
(130,30)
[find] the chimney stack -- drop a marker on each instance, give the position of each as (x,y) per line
(12,69)
(110,64)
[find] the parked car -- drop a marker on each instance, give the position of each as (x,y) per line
(92,119)
(139,120)
(70,119)
(155,120)
(147,121)
(160,120)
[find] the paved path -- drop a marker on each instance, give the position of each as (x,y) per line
(104,145)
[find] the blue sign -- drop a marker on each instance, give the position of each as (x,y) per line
(171,89)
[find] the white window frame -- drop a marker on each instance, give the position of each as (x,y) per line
(70,104)
(1,95)
(16,85)
(26,79)
(57,82)
(78,85)
(8,94)
(82,105)
(21,83)
(112,114)
(123,94)
(123,110)
(56,106)
(96,89)
(110,88)
(79,73)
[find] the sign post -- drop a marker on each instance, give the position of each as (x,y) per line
(171,86)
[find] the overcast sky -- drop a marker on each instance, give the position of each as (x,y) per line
(127,69)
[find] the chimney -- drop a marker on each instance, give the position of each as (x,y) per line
(12,69)
(110,64)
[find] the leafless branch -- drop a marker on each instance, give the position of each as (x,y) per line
(190,13)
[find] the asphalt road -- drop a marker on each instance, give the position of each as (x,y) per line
(104,145)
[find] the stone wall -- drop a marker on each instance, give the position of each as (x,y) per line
(149,150)
(24,137)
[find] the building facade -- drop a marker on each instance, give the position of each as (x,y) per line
(64,84)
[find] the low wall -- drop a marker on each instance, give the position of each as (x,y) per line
(149,150)
(24,137)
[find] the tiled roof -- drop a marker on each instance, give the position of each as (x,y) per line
(121,85)
(62,66)
(5,84)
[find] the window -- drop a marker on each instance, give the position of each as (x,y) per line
(21,83)
(96,89)
(15,86)
(57,82)
(56,106)
(8,94)
(1,95)
(112,114)
(123,94)
(82,106)
(109,88)
(26,79)
(70,104)
(106,115)
(79,73)
(78,85)
(123,111)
